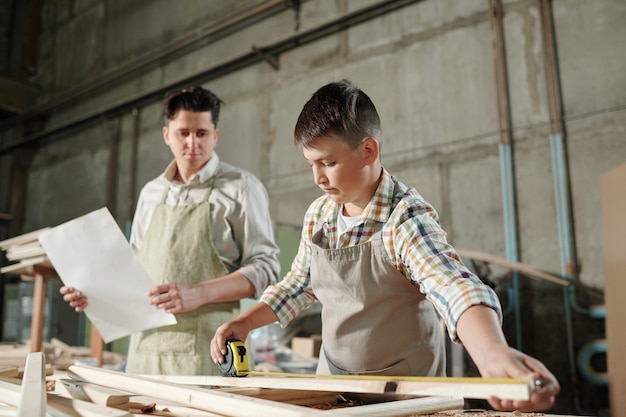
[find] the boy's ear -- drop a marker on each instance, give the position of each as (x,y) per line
(370,150)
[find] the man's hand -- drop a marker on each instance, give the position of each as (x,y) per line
(175,298)
(74,298)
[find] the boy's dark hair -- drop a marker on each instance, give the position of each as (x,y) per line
(339,109)
(194,99)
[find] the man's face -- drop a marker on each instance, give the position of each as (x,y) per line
(191,136)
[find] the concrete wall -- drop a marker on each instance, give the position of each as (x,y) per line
(429,67)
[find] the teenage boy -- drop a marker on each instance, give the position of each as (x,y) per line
(373,254)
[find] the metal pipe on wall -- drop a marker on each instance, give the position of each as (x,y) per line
(506,161)
(564,212)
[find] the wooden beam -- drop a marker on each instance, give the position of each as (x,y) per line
(9,371)
(18,240)
(194,397)
(516,266)
(32,402)
(58,406)
(97,394)
(68,407)
(479,388)
(291,396)
(411,407)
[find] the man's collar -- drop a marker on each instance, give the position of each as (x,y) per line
(207,171)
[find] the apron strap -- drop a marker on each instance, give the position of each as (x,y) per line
(206,195)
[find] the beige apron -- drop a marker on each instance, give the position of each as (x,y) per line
(374,321)
(178,248)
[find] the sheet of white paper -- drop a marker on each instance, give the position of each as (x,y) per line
(91,254)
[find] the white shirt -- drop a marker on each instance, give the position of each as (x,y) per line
(242,229)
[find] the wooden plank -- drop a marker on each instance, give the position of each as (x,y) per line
(9,371)
(68,407)
(97,394)
(58,406)
(25,267)
(516,266)
(613,202)
(16,253)
(285,395)
(26,256)
(32,401)
(17,240)
(479,388)
(10,392)
(7,411)
(200,398)
(401,408)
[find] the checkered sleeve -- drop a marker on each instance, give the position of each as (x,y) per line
(294,293)
(424,255)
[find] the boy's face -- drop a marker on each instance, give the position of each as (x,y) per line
(340,172)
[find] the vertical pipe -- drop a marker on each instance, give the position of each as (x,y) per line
(569,263)
(506,160)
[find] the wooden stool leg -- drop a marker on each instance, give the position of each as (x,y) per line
(96,345)
(39,305)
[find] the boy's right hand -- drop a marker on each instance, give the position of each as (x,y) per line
(227,331)
(74,298)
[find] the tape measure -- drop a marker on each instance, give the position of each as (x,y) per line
(235,360)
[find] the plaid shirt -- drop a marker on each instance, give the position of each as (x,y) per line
(416,245)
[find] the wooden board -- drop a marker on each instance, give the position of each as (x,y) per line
(18,240)
(26,267)
(234,405)
(480,388)
(32,401)
(204,399)
(57,406)
(516,266)
(9,371)
(68,407)
(97,394)
(400,408)
(613,200)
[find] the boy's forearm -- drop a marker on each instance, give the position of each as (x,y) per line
(257,316)
(479,330)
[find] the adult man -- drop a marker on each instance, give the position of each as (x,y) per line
(203,233)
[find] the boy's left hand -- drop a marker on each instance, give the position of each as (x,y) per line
(507,362)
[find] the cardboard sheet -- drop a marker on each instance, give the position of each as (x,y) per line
(91,254)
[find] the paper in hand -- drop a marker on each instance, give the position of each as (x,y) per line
(91,254)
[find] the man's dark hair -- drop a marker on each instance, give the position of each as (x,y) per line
(194,99)
(339,109)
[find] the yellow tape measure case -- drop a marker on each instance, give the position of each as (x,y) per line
(235,360)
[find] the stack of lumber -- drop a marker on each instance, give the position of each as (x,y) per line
(94,392)
(59,355)
(24,250)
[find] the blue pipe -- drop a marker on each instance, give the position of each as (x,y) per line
(562,208)
(562,213)
(589,350)
(510,234)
